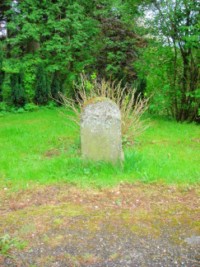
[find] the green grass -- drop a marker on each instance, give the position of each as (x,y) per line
(43,147)
(7,243)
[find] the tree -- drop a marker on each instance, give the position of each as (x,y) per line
(119,41)
(59,32)
(17,89)
(69,37)
(57,87)
(1,73)
(120,50)
(41,86)
(175,25)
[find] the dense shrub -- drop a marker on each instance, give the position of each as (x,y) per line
(41,86)
(17,90)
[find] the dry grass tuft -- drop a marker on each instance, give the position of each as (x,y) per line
(131,104)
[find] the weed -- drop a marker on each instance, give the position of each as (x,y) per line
(131,105)
(7,243)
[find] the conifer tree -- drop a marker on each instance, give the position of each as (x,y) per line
(17,90)
(41,86)
(56,87)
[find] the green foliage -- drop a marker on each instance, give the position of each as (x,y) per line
(61,33)
(120,50)
(7,243)
(106,37)
(30,107)
(69,37)
(6,89)
(158,77)
(171,60)
(1,72)
(41,86)
(17,89)
(57,87)
(1,84)
(29,66)
(3,107)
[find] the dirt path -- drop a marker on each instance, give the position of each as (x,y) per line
(131,225)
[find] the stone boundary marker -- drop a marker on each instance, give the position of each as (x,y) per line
(101,131)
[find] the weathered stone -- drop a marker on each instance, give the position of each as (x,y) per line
(101,131)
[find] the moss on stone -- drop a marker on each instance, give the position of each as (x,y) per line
(95,100)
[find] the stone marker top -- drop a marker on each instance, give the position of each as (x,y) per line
(101,110)
(103,103)
(95,100)
(101,130)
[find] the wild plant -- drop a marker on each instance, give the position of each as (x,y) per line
(132,105)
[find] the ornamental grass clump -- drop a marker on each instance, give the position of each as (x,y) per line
(131,104)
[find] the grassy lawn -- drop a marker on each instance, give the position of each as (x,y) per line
(44,147)
(57,208)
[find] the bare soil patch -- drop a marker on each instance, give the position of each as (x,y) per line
(129,225)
